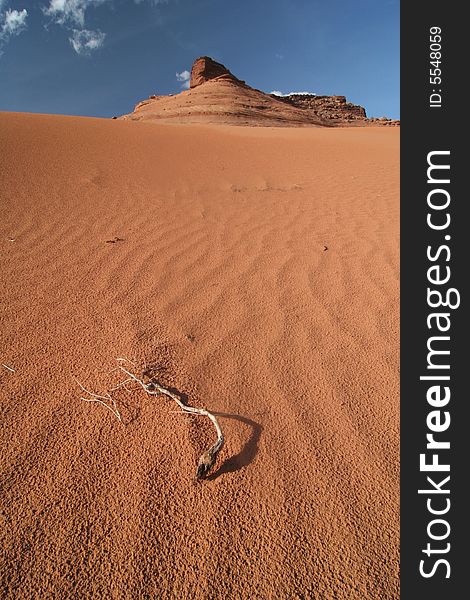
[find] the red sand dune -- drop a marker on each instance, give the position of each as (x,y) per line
(258,269)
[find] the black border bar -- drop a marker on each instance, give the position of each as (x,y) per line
(430,124)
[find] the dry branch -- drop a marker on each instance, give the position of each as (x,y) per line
(208,457)
(101,400)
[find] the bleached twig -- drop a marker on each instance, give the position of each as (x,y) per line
(9,368)
(100,400)
(207,458)
(113,410)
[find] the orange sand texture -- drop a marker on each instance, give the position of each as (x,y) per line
(257,268)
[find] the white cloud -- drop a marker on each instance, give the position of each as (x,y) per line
(85,41)
(71,15)
(70,12)
(14,21)
(184,78)
(278,93)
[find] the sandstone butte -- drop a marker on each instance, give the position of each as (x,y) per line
(217,96)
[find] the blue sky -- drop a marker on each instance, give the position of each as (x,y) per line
(100,57)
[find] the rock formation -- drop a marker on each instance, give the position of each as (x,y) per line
(205,69)
(327,107)
(217,96)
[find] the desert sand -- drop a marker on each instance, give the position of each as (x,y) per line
(257,269)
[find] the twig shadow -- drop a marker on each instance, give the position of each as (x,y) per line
(182,395)
(248,451)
